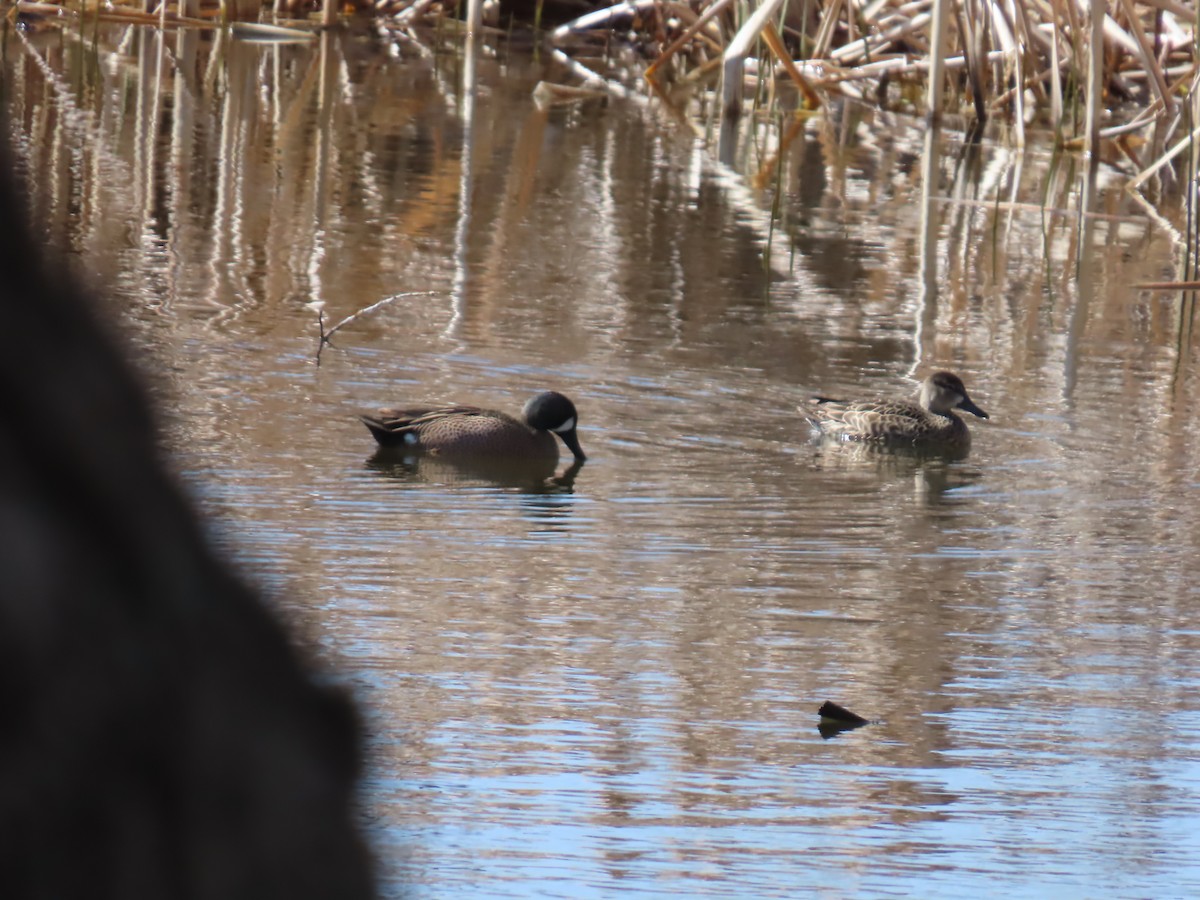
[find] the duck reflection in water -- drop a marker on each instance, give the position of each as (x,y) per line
(934,474)
(470,444)
(536,476)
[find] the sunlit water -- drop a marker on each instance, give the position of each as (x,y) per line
(609,684)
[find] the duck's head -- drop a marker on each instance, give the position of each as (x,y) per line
(944,391)
(551,411)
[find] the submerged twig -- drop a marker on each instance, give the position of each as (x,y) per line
(326,335)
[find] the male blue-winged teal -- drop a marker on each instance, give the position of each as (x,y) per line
(466,431)
(929,422)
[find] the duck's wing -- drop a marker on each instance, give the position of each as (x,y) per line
(866,420)
(390,426)
(422,415)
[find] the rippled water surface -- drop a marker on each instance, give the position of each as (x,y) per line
(606,682)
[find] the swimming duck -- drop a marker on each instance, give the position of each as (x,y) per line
(465,431)
(930,421)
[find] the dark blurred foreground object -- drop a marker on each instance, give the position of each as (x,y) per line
(834,713)
(159,737)
(836,719)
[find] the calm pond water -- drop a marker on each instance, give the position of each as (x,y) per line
(608,683)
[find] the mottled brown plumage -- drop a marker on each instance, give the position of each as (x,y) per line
(931,421)
(466,431)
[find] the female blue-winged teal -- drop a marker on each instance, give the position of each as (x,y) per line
(931,423)
(465,431)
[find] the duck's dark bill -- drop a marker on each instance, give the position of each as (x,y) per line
(572,442)
(970,407)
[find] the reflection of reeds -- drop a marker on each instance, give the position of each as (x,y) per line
(269,182)
(1191,270)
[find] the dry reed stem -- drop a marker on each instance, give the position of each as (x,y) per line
(687,35)
(1146,53)
(775,42)
(418,9)
(128,16)
(607,16)
(1019,52)
(1179,147)
(271,32)
(825,33)
(735,56)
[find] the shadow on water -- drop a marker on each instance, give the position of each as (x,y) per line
(533,476)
